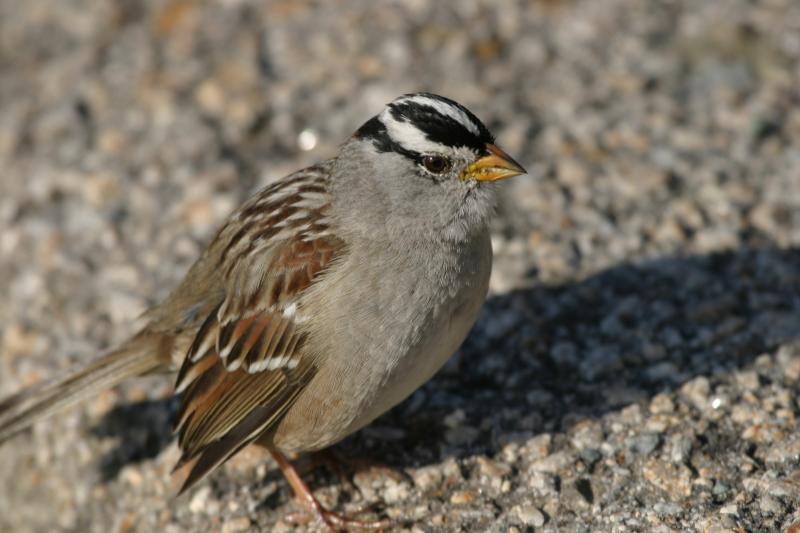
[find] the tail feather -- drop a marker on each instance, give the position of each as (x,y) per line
(143,354)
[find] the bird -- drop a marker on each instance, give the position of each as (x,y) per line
(324,300)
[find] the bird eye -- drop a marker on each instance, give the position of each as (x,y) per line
(435,163)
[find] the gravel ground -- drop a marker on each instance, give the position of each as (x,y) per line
(637,365)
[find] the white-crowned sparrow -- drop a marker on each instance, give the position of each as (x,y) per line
(326,299)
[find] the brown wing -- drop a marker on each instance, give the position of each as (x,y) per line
(246,365)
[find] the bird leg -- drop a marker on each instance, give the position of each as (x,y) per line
(333,521)
(328,460)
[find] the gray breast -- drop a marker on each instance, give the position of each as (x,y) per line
(382,336)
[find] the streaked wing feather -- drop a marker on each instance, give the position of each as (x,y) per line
(233,393)
(246,432)
(246,365)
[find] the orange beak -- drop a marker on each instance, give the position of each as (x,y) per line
(497,165)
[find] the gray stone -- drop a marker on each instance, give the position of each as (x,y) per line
(529,515)
(645,443)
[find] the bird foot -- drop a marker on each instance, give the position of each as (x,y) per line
(335,522)
(332,521)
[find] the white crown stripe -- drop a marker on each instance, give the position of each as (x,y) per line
(407,135)
(445,109)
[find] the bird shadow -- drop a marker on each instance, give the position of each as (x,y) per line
(544,357)
(141,431)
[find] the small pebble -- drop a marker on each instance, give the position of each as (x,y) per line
(461,497)
(236,524)
(529,515)
(199,500)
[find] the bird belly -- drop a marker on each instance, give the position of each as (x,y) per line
(377,364)
(422,361)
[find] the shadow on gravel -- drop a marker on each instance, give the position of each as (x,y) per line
(542,358)
(142,430)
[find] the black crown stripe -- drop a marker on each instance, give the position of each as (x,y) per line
(375,130)
(439,128)
(435,126)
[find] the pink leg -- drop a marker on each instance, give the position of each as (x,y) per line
(334,521)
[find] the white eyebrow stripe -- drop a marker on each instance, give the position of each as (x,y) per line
(407,135)
(445,109)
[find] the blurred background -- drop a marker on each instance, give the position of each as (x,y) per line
(637,364)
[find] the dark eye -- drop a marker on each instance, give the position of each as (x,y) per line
(435,163)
